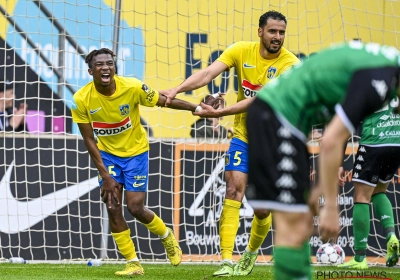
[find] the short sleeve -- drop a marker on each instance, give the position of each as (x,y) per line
(229,55)
(147,96)
(79,112)
(368,91)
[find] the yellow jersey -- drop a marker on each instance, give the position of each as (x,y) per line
(253,73)
(115,119)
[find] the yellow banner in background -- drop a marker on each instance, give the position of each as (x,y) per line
(8,6)
(183,36)
(211,26)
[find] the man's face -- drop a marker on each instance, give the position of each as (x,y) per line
(273,35)
(102,69)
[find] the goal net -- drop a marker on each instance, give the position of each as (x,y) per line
(50,206)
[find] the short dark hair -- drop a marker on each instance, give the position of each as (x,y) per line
(270,14)
(93,53)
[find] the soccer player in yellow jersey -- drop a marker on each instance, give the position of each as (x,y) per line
(108,107)
(256,64)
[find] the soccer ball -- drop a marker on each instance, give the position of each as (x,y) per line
(330,253)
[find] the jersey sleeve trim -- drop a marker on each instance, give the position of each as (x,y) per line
(342,115)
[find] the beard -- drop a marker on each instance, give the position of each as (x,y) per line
(269,48)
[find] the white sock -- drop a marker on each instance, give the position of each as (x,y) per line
(165,235)
(228,261)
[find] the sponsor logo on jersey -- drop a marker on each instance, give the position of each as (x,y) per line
(271,72)
(390,134)
(380,87)
(249,89)
(388,123)
(110,129)
(94,111)
(145,88)
(245,65)
(150,92)
(124,109)
(384,117)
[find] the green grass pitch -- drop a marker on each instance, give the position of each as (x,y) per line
(163,272)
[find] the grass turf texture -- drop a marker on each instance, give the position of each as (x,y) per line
(152,271)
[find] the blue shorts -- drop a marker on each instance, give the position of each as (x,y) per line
(131,172)
(236,159)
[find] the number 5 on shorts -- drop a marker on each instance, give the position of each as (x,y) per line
(237,158)
(110,170)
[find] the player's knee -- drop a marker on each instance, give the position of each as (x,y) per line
(234,193)
(136,210)
(114,211)
(261,214)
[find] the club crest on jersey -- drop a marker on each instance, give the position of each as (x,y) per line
(227,159)
(124,109)
(110,129)
(271,72)
(249,89)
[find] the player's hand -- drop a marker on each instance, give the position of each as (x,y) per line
(169,94)
(210,109)
(329,222)
(108,193)
(342,180)
(207,111)
(215,100)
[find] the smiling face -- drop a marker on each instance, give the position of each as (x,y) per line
(272,35)
(102,69)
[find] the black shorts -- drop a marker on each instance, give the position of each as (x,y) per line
(375,164)
(278,163)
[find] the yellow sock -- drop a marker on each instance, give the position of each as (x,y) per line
(157,226)
(228,226)
(259,230)
(125,244)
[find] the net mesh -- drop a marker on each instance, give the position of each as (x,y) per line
(50,206)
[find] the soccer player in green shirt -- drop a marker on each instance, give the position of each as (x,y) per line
(340,86)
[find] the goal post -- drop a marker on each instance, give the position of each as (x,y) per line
(50,206)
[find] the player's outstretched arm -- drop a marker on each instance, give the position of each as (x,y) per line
(331,157)
(209,112)
(195,81)
(178,104)
(109,184)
